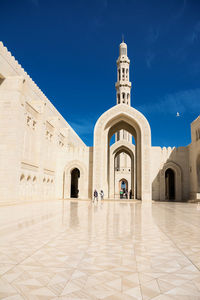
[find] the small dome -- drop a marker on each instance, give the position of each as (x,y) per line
(123,45)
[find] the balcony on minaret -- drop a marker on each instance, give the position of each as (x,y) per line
(123,83)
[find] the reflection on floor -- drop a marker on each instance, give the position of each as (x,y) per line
(111,250)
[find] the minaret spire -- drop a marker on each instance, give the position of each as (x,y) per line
(123,85)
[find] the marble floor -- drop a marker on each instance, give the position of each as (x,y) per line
(109,250)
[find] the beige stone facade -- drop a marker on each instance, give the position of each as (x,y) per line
(43,158)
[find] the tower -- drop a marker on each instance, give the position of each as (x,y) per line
(123,85)
(123,96)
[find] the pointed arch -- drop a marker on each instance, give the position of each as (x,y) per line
(82,185)
(122,117)
(170,165)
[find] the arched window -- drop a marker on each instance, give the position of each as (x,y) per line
(123,73)
(22,177)
(119,75)
(118,98)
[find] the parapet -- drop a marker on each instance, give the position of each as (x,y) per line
(19,71)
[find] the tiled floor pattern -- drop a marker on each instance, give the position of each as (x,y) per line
(79,250)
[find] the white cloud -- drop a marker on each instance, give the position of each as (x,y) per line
(83,127)
(150,58)
(187,101)
(195,35)
(153,35)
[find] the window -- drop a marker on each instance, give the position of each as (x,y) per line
(119,74)
(118,98)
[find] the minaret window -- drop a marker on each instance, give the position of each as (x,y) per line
(123,97)
(126,73)
(119,74)
(118,98)
(123,73)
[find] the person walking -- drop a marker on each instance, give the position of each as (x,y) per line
(101,194)
(95,195)
(121,194)
(130,194)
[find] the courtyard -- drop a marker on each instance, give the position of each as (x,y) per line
(106,250)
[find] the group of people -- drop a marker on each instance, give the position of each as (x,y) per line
(124,194)
(96,195)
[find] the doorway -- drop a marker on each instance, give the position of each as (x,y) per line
(169,185)
(75,175)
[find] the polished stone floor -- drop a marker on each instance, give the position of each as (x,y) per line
(110,250)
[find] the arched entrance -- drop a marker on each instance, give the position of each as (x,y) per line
(116,175)
(123,185)
(122,117)
(169,184)
(75,175)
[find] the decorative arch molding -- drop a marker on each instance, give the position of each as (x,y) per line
(178,180)
(82,186)
(124,117)
(122,143)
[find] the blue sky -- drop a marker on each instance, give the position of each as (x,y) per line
(69,48)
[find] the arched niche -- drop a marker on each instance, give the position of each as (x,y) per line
(129,119)
(177,181)
(82,180)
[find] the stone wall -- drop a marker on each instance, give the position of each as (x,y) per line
(176,159)
(36,143)
(194,160)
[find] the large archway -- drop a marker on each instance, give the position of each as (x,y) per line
(75,175)
(115,119)
(122,146)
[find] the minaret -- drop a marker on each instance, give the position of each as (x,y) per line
(123,94)
(123,85)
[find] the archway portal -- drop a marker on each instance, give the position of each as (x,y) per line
(124,179)
(123,185)
(133,172)
(122,117)
(75,175)
(169,184)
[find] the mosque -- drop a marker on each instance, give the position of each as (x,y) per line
(42,157)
